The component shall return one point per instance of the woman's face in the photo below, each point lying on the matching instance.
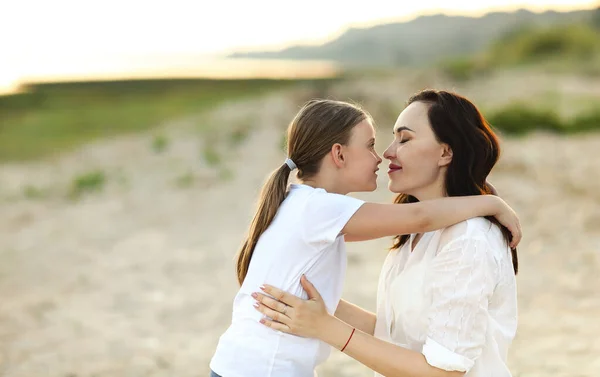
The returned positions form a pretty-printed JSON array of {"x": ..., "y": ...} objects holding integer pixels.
[{"x": 418, "y": 162}]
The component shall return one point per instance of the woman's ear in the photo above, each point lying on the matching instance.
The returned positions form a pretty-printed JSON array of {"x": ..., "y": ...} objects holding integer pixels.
[{"x": 446, "y": 156}]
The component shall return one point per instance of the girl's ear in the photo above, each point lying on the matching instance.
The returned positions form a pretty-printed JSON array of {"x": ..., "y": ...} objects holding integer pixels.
[{"x": 337, "y": 154}]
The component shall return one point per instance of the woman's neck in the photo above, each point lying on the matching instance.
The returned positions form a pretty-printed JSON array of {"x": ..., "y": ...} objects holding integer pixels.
[{"x": 429, "y": 193}]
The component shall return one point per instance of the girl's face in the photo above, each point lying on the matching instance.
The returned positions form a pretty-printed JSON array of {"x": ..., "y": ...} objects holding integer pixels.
[{"x": 362, "y": 161}]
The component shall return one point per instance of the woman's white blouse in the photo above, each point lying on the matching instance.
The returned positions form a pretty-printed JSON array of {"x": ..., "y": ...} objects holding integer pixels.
[{"x": 453, "y": 298}]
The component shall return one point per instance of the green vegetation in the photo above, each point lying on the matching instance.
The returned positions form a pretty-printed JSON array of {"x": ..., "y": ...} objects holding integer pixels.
[
  {"x": 50, "y": 118},
  {"x": 463, "y": 69},
  {"x": 159, "y": 143},
  {"x": 239, "y": 134},
  {"x": 32, "y": 192},
  {"x": 576, "y": 42},
  {"x": 587, "y": 121},
  {"x": 185, "y": 180},
  {"x": 573, "y": 47},
  {"x": 210, "y": 154},
  {"x": 519, "y": 119},
  {"x": 92, "y": 181},
  {"x": 564, "y": 48}
]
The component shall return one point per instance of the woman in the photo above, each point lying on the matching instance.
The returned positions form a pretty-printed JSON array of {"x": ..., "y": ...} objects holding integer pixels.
[
  {"x": 447, "y": 300},
  {"x": 301, "y": 232}
]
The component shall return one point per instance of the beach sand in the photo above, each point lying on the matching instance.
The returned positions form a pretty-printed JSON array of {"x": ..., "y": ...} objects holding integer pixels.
[{"x": 138, "y": 279}]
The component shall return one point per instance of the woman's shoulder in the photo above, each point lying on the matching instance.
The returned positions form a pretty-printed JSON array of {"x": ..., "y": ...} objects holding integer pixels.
[{"x": 477, "y": 228}]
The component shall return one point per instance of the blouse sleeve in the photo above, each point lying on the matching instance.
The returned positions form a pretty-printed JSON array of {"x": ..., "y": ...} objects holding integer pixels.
[{"x": 461, "y": 282}]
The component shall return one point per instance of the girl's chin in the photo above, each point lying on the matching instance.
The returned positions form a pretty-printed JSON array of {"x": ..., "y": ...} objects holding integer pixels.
[{"x": 366, "y": 188}]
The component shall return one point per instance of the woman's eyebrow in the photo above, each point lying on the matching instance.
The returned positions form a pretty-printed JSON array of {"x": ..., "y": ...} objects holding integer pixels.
[{"x": 400, "y": 129}]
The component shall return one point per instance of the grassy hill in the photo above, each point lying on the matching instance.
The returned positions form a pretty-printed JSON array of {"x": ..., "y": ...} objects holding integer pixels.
[{"x": 425, "y": 39}]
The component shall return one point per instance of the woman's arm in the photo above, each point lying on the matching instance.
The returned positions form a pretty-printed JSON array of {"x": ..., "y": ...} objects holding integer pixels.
[
  {"x": 373, "y": 220},
  {"x": 356, "y": 316},
  {"x": 383, "y": 357},
  {"x": 462, "y": 281},
  {"x": 309, "y": 318}
]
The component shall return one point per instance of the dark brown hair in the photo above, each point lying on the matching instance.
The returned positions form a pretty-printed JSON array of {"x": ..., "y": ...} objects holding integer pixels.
[
  {"x": 457, "y": 122},
  {"x": 318, "y": 126}
]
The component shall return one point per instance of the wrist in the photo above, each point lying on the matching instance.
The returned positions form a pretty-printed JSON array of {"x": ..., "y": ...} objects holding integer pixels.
[
  {"x": 324, "y": 328},
  {"x": 500, "y": 205},
  {"x": 335, "y": 332},
  {"x": 494, "y": 205}
]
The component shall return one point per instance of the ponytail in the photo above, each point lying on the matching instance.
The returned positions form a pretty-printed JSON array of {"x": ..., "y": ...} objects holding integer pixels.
[
  {"x": 272, "y": 195},
  {"x": 318, "y": 126}
]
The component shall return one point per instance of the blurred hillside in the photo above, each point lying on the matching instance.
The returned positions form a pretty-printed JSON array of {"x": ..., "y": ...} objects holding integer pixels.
[
  {"x": 426, "y": 39},
  {"x": 555, "y": 57}
]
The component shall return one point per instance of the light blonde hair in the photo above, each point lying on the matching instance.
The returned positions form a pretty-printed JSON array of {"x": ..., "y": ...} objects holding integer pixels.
[{"x": 312, "y": 133}]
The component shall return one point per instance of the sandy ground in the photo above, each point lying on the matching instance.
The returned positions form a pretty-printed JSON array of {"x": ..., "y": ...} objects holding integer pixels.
[{"x": 138, "y": 279}]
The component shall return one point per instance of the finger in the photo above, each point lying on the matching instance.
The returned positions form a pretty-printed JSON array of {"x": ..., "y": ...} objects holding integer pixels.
[
  {"x": 276, "y": 316},
  {"x": 275, "y": 325},
  {"x": 309, "y": 288},
  {"x": 280, "y": 295},
  {"x": 272, "y": 303},
  {"x": 517, "y": 235}
]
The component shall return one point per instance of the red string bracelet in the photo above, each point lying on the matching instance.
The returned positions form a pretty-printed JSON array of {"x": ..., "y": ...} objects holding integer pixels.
[{"x": 343, "y": 348}]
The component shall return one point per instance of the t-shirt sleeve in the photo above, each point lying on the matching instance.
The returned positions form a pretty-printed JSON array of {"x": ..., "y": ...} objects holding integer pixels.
[{"x": 325, "y": 215}]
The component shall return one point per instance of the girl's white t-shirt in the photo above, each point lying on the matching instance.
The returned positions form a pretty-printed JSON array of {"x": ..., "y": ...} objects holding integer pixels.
[{"x": 304, "y": 238}]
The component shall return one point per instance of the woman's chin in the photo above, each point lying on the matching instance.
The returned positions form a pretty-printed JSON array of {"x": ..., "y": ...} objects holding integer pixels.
[
  {"x": 398, "y": 189},
  {"x": 395, "y": 188}
]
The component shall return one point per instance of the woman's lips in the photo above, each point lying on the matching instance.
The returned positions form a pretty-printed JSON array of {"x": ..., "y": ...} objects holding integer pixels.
[{"x": 394, "y": 168}]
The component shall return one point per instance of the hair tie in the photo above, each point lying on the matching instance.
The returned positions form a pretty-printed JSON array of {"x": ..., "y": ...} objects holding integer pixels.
[{"x": 290, "y": 164}]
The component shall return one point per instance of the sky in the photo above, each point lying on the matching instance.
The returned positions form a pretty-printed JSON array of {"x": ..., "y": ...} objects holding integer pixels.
[{"x": 41, "y": 36}]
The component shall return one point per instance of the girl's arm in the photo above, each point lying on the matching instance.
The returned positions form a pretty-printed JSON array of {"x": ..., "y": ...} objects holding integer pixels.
[{"x": 374, "y": 220}]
